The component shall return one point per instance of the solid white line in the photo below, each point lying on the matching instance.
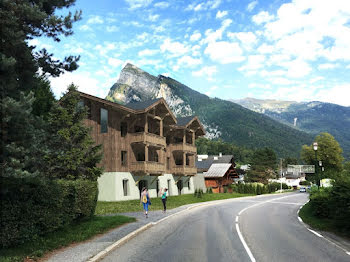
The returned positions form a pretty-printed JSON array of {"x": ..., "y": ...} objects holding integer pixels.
[
  {"x": 300, "y": 220},
  {"x": 317, "y": 234},
  {"x": 348, "y": 253},
  {"x": 236, "y": 219},
  {"x": 245, "y": 244}
]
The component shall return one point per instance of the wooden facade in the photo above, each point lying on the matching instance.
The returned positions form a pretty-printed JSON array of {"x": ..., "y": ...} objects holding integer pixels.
[
  {"x": 143, "y": 138},
  {"x": 220, "y": 181}
]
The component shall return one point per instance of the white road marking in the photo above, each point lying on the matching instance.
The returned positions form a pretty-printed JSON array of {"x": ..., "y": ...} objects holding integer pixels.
[
  {"x": 300, "y": 220},
  {"x": 239, "y": 232},
  {"x": 317, "y": 234},
  {"x": 245, "y": 244}
]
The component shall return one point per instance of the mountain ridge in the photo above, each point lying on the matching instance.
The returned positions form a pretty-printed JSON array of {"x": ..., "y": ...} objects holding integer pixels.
[{"x": 221, "y": 118}]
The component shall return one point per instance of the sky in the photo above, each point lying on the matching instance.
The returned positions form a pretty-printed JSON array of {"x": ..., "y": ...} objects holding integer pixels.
[{"x": 231, "y": 49}]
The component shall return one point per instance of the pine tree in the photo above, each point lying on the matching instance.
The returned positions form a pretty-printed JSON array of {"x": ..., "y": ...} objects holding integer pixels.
[
  {"x": 72, "y": 153},
  {"x": 21, "y": 21},
  {"x": 23, "y": 138}
]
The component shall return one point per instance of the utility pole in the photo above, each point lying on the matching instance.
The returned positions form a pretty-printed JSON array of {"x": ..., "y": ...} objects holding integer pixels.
[{"x": 281, "y": 172}]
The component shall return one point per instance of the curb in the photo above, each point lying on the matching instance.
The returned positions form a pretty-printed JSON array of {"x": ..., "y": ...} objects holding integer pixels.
[
  {"x": 309, "y": 228},
  {"x": 133, "y": 234}
]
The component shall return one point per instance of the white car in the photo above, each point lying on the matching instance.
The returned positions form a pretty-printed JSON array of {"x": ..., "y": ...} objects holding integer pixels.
[{"x": 302, "y": 189}]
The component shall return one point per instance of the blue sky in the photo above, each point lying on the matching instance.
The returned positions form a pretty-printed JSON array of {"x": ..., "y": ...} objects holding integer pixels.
[{"x": 287, "y": 50}]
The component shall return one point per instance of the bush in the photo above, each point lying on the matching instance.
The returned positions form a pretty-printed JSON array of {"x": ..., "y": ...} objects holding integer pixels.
[
  {"x": 210, "y": 190},
  {"x": 31, "y": 207},
  {"x": 340, "y": 203},
  {"x": 320, "y": 202},
  {"x": 305, "y": 183}
]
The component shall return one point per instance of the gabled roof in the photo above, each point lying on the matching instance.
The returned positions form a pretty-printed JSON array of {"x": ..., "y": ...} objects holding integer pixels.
[
  {"x": 184, "y": 121},
  {"x": 142, "y": 105},
  {"x": 206, "y": 163},
  {"x": 217, "y": 170}
]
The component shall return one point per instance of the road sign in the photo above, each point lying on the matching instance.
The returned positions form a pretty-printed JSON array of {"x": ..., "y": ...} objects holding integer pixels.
[{"x": 307, "y": 169}]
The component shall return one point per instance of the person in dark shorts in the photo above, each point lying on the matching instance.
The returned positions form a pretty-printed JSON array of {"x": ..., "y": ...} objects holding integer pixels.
[{"x": 164, "y": 198}]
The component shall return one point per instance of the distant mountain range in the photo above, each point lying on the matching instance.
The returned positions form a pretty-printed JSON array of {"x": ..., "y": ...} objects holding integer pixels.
[
  {"x": 222, "y": 119},
  {"x": 311, "y": 117}
]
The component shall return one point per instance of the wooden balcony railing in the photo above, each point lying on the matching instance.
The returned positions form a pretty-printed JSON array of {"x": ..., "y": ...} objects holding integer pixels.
[
  {"x": 147, "y": 138},
  {"x": 148, "y": 167},
  {"x": 183, "y": 147},
  {"x": 184, "y": 170}
]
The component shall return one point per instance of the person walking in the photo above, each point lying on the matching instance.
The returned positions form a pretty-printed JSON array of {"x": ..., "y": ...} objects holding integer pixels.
[
  {"x": 145, "y": 200},
  {"x": 164, "y": 198}
]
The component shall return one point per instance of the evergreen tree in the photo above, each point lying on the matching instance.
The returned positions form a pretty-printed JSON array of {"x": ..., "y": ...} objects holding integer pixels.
[
  {"x": 72, "y": 153},
  {"x": 21, "y": 21},
  {"x": 263, "y": 165},
  {"x": 23, "y": 138}
]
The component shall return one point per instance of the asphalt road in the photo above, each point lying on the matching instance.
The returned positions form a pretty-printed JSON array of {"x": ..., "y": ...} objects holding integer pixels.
[{"x": 268, "y": 225}]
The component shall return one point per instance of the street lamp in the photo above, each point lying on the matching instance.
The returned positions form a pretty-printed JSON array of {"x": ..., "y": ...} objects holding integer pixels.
[{"x": 315, "y": 149}]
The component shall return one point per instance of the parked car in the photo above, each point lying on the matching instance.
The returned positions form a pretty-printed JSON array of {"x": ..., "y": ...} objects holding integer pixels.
[{"x": 302, "y": 189}]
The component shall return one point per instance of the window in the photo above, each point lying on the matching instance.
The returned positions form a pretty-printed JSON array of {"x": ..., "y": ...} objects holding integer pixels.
[
  {"x": 123, "y": 129},
  {"x": 187, "y": 160},
  {"x": 124, "y": 158},
  {"x": 125, "y": 187},
  {"x": 168, "y": 163},
  {"x": 104, "y": 120}
]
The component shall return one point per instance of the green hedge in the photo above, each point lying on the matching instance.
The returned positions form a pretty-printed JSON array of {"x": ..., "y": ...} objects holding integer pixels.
[
  {"x": 333, "y": 203},
  {"x": 257, "y": 188},
  {"x": 31, "y": 207}
]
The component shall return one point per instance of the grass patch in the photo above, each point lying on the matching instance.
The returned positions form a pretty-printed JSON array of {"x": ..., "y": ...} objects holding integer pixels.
[
  {"x": 309, "y": 218},
  {"x": 104, "y": 208},
  {"x": 70, "y": 234}
]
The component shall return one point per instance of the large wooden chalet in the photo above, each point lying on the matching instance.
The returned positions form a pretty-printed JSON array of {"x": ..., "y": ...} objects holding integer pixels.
[{"x": 143, "y": 145}]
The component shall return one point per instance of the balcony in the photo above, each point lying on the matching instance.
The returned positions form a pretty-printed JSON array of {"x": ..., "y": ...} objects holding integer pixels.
[
  {"x": 183, "y": 147},
  {"x": 148, "y": 138},
  {"x": 149, "y": 167},
  {"x": 184, "y": 170}
]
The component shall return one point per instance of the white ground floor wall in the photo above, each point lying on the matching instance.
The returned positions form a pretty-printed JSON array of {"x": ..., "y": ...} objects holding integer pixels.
[{"x": 118, "y": 186}]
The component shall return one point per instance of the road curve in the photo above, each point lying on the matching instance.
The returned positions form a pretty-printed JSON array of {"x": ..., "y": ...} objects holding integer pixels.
[{"x": 268, "y": 225}]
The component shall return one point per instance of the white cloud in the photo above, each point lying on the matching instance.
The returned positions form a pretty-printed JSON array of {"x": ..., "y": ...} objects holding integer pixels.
[
  {"x": 153, "y": 18},
  {"x": 262, "y": 17},
  {"x": 211, "y": 89},
  {"x": 327, "y": 66},
  {"x": 188, "y": 61},
  {"x": 95, "y": 20},
  {"x": 297, "y": 68},
  {"x": 212, "y": 36},
  {"x": 207, "y": 5},
  {"x": 265, "y": 49},
  {"x": 138, "y": 3},
  {"x": 85, "y": 28},
  {"x": 221, "y": 14},
  {"x": 248, "y": 39},
  {"x": 86, "y": 83},
  {"x": 175, "y": 48},
  {"x": 254, "y": 62},
  {"x": 111, "y": 29},
  {"x": 162, "y": 5},
  {"x": 251, "y": 6},
  {"x": 148, "y": 52},
  {"x": 196, "y": 50},
  {"x": 207, "y": 71},
  {"x": 340, "y": 94},
  {"x": 195, "y": 36},
  {"x": 224, "y": 52},
  {"x": 106, "y": 48},
  {"x": 115, "y": 62}
]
